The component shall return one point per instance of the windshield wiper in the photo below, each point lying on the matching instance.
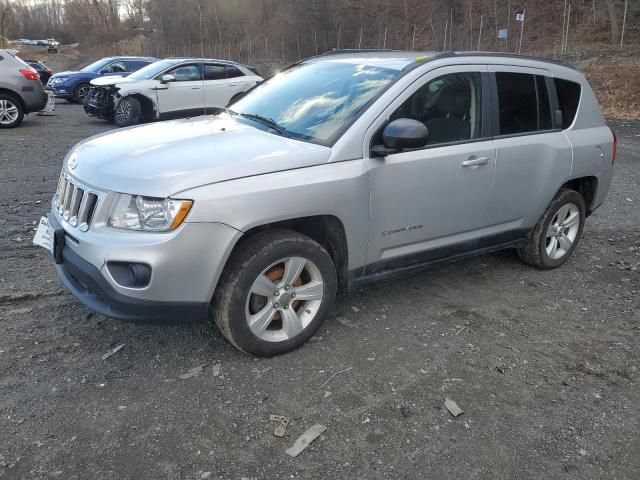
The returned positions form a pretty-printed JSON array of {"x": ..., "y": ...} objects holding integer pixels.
[{"x": 269, "y": 122}]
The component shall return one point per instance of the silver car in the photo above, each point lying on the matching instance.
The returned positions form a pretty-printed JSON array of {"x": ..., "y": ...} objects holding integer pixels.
[
  {"x": 21, "y": 91},
  {"x": 343, "y": 168}
]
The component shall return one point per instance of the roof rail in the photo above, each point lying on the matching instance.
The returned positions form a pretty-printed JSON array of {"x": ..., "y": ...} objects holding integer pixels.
[
  {"x": 337, "y": 51},
  {"x": 416, "y": 64}
]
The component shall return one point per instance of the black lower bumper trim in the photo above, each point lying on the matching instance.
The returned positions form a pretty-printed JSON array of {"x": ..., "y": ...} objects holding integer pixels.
[{"x": 87, "y": 283}]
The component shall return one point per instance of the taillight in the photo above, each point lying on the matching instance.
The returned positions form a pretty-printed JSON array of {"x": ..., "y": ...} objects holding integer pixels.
[
  {"x": 48, "y": 72},
  {"x": 29, "y": 74},
  {"x": 615, "y": 146}
]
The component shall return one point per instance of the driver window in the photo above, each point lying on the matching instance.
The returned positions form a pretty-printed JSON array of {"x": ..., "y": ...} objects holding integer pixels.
[
  {"x": 116, "y": 67},
  {"x": 187, "y": 73},
  {"x": 449, "y": 106}
]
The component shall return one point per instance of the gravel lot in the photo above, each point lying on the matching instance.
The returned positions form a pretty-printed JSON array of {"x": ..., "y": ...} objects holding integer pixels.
[{"x": 544, "y": 364}]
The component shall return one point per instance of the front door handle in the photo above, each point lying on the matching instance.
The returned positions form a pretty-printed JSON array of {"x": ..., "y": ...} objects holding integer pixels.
[
  {"x": 475, "y": 161},
  {"x": 195, "y": 88}
]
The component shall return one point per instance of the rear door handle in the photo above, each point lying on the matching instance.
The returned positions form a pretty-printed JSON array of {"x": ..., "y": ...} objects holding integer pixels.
[
  {"x": 234, "y": 85},
  {"x": 475, "y": 161},
  {"x": 195, "y": 88}
]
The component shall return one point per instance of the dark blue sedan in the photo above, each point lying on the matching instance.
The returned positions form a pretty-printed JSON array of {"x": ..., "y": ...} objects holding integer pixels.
[{"x": 74, "y": 86}]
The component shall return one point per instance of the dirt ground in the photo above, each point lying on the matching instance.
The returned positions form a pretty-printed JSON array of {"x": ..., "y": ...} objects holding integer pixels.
[{"x": 544, "y": 364}]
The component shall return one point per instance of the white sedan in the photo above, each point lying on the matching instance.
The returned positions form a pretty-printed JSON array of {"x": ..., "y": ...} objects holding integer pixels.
[{"x": 171, "y": 88}]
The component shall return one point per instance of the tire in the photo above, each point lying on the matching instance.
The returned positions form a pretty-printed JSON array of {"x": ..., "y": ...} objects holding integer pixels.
[
  {"x": 81, "y": 92},
  {"x": 11, "y": 111},
  {"x": 555, "y": 236},
  {"x": 281, "y": 323},
  {"x": 127, "y": 112}
]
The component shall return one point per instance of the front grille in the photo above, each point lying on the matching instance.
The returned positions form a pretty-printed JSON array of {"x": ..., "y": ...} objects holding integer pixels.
[
  {"x": 75, "y": 202},
  {"x": 99, "y": 103}
]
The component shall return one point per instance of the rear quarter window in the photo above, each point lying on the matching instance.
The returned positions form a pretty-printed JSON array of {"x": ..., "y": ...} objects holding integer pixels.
[{"x": 568, "y": 98}]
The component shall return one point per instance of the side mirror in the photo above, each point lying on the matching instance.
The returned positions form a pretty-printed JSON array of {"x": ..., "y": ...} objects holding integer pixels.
[
  {"x": 400, "y": 134},
  {"x": 166, "y": 78}
]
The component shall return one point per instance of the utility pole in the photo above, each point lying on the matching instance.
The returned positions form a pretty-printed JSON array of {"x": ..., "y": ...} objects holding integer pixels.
[
  {"x": 413, "y": 39},
  {"x": 566, "y": 35},
  {"x": 624, "y": 21}
]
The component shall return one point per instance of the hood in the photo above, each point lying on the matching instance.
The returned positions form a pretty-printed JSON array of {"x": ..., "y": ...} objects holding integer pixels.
[
  {"x": 111, "y": 80},
  {"x": 161, "y": 159},
  {"x": 72, "y": 73}
]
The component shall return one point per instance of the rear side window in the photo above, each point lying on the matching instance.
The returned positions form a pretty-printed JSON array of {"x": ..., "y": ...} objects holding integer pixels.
[
  {"x": 133, "y": 66},
  {"x": 523, "y": 103},
  {"x": 233, "y": 72},
  {"x": 214, "y": 72},
  {"x": 568, "y": 99}
]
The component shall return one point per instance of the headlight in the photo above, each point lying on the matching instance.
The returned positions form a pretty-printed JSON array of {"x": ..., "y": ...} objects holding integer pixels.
[{"x": 135, "y": 212}]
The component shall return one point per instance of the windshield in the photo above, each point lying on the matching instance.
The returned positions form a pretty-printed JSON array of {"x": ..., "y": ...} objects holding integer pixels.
[
  {"x": 96, "y": 66},
  {"x": 152, "y": 70},
  {"x": 316, "y": 101}
]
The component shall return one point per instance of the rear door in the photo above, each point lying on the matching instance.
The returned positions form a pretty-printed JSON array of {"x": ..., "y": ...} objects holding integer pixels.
[
  {"x": 533, "y": 155},
  {"x": 184, "y": 95},
  {"x": 216, "y": 90}
]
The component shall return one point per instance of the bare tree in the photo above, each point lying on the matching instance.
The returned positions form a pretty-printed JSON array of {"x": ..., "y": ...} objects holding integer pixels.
[
  {"x": 613, "y": 20},
  {"x": 5, "y": 13}
]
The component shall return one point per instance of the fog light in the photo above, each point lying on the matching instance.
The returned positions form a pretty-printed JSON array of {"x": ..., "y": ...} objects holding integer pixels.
[{"x": 129, "y": 274}]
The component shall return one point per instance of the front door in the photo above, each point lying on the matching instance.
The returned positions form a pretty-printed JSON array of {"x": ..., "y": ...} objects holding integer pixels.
[
  {"x": 433, "y": 202},
  {"x": 185, "y": 94}
]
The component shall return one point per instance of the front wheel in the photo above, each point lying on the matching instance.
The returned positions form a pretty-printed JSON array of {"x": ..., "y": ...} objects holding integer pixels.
[
  {"x": 128, "y": 112},
  {"x": 557, "y": 233},
  {"x": 275, "y": 292},
  {"x": 81, "y": 92}
]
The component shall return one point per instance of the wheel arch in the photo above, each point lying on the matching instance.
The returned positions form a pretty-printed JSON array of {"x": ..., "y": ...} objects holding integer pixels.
[
  {"x": 327, "y": 230},
  {"x": 147, "y": 104},
  {"x": 16, "y": 96},
  {"x": 586, "y": 186}
]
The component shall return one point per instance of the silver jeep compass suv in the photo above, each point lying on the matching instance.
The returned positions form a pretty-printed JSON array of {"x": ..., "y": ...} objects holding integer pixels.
[{"x": 343, "y": 168}]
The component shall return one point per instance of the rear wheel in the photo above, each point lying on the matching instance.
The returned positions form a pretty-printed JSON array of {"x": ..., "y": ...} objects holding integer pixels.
[
  {"x": 80, "y": 93},
  {"x": 11, "y": 112},
  {"x": 128, "y": 112},
  {"x": 557, "y": 233},
  {"x": 275, "y": 293}
]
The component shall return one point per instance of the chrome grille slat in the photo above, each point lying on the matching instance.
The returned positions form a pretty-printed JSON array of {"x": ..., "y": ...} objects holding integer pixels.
[{"x": 75, "y": 202}]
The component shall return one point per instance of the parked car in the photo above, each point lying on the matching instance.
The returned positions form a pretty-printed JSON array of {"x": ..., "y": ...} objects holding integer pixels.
[
  {"x": 343, "y": 168},
  {"x": 20, "y": 90},
  {"x": 74, "y": 86},
  {"x": 44, "y": 72},
  {"x": 172, "y": 88}
]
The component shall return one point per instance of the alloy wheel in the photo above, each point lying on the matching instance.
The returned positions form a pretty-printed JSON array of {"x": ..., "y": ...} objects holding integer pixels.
[
  {"x": 562, "y": 231},
  {"x": 83, "y": 92},
  {"x": 123, "y": 112},
  {"x": 284, "y": 299},
  {"x": 8, "y": 112}
]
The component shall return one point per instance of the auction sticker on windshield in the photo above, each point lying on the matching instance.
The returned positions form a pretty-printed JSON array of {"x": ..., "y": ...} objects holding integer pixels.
[{"x": 45, "y": 234}]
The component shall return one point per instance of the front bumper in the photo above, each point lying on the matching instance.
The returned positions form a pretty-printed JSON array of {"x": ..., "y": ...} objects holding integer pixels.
[
  {"x": 185, "y": 266},
  {"x": 89, "y": 286},
  {"x": 61, "y": 90},
  {"x": 99, "y": 104}
]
